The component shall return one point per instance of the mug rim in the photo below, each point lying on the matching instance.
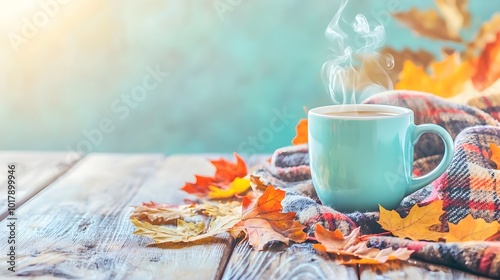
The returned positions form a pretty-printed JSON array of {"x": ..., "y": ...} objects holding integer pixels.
[{"x": 322, "y": 110}]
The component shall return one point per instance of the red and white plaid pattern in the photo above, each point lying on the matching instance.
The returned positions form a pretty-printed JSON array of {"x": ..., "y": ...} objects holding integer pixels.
[{"x": 469, "y": 186}]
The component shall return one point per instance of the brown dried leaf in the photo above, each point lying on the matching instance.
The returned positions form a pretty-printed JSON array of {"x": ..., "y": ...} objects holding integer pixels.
[
  {"x": 351, "y": 246},
  {"x": 427, "y": 23},
  {"x": 185, "y": 232},
  {"x": 160, "y": 214},
  {"x": 381, "y": 256},
  {"x": 455, "y": 14},
  {"x": 421, "y": 58},
  {"x": 232, "y": 208}
]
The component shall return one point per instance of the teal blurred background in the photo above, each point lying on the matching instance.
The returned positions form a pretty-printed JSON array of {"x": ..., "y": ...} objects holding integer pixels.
[{"x": 239, "y": 72}]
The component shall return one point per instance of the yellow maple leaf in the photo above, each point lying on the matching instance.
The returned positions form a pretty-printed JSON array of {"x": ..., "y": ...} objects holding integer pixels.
[
  {"x": 495, "y": 154},
  {"x": 420, "y": 57},
  {"x": 418, "y": 82},
  {"x": 416, "y": 225},
  {"x": 446, "y": 79},
  {"x": 470, "y": 229},
  {"x": 238, "y": 186}
]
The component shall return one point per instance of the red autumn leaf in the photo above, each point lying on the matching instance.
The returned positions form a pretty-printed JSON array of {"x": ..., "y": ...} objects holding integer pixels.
[
  {"x": 488, "y": 65},
  {"x": 225, "y": 173},
  {"x": 301, "y": 130},
  {"x": 484, "y": 35},
  {"x": 199, "y": 187},
  {"x": 263, "y": 221}
]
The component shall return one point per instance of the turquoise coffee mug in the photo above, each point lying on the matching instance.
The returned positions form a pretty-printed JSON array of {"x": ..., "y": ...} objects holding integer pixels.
[{"x": 362, "y": 155}]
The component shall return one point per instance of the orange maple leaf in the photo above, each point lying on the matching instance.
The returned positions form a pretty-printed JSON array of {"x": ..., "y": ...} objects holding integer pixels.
[
  {"x": 301, "y": 133},
  {"x": 470, "y": 229},
  {"x": 488, "y": 65},
  {"x": 446, "y": 79},
  {"x": 263, "y": 221},
  {"x": 257, "y": 183},
  {"x": 356, "y": 250},
  {"x": 416, "y": 225},
  {"x": 495, "y": 154},
  {"x": 225, "y": 173},
  {"x": 486, "y": 33}
]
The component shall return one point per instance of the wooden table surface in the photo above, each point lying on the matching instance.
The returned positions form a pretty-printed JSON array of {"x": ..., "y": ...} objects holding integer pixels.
[{"x": 72, "y": 222}]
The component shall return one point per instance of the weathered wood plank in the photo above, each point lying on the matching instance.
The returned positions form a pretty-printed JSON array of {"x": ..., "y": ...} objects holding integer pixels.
[
  {"x": 413, "y": 269},
  {"x": 79, "y": 228},
  {"x": 299, "y": 261},
  {"x": 34, "y": 171}
]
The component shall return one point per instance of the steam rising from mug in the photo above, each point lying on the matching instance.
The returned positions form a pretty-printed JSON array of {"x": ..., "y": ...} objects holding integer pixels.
[{"x": 355, "y": 70}]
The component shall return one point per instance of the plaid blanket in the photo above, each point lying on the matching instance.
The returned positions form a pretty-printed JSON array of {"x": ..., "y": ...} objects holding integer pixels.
[{"x": 469, "y": 186}]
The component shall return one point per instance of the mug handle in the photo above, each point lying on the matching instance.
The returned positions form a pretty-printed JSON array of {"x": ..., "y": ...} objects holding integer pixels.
[{"x": 422, "y": 181}]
